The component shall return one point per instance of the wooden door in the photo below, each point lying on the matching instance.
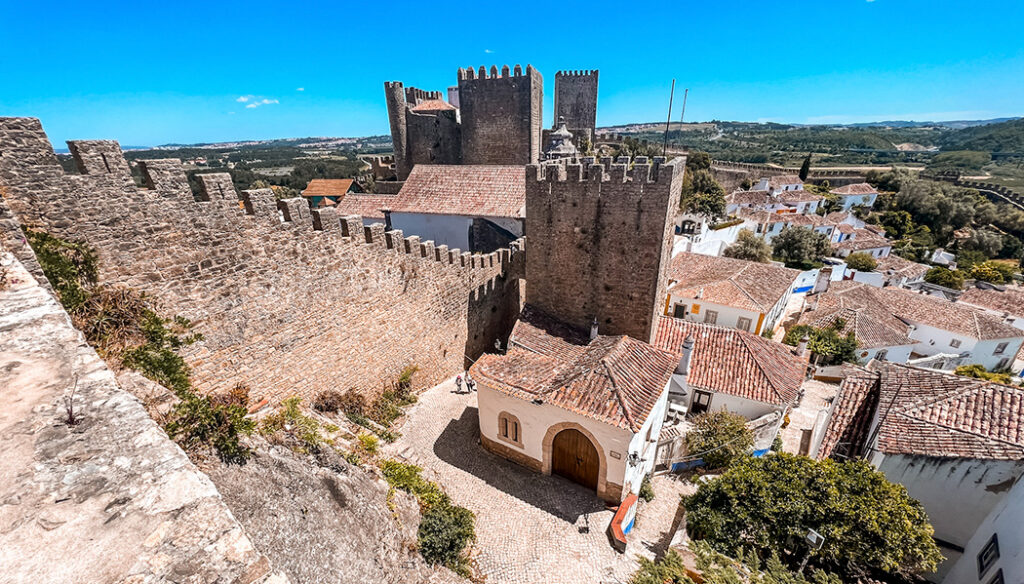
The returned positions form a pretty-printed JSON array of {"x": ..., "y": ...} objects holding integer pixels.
[{"x": 574, "y": 457}]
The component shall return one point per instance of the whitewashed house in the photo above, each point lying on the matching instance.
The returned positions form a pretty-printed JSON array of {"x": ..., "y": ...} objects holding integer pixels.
[
  {"x": 864, "y": 241},
  {"x": 695, "y": 233},
  {"x": 956, "y": 444},
  {"x": 892, "y": 270},
  {"x": 856, "y": 195},
  {"x": 727, "y": 292},
  {"x": 588, "y": 408}
]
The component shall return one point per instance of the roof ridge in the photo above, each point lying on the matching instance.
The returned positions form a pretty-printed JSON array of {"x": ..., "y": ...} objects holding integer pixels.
[
  {"x": 745, "y": 293},
  {"x": 962, "y": 431},
  {"x": 626, "y": 412},
  {"x": 761, "y": 368}
]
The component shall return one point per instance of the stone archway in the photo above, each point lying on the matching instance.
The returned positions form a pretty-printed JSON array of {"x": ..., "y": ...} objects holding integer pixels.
[{"x": 602, "y": 469}]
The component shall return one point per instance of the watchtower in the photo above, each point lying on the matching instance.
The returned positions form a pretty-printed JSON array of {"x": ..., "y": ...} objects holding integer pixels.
[
  {"x": 501, "y": 115},
  {"x": 600, "y": 241},
  {"x": 576, "y": 102}
]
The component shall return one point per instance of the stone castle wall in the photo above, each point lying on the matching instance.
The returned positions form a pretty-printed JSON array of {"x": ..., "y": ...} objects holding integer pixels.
[
  {"x": 614, "y": 240},
  {"x": 501, "y": 115},
  {"x": 289, "y": 300},
  {"x": 433, "y": 138},
  {"x": 576, "y": 102}
]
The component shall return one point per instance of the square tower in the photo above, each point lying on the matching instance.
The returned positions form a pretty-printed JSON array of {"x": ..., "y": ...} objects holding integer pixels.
[
  {"x": 576, "y": 102},
  {"x": 501, "y": 115},
  {"x": 600, "y": 240}
]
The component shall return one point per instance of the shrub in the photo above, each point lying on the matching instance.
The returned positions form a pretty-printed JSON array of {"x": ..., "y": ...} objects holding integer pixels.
[
  {"x": 443, "y": 534},
  {"x": 197, "y": 424},
  {"x": 829, "y": 346},
  {"x": 719, "y": 438},
  {"x": 862, "y": 262},
  {"x": 368, "y": 443},
  {"x": 646, "y": 489},
  {"x": 236, "y": 396},
  {"x": 405, "y": 378},
  {"x": 978, "y": 371},
  {"x": 288, "y": 425},
  {"x": 941, "y": 276},
  {"x": 328, "y": 401},
  {"x": 70, "y": 267}
]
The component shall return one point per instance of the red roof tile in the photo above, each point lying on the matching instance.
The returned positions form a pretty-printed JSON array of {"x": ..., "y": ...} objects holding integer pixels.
[
  {"x": 368, "y": 205},
  {"x": 327, "y": 187},
  {"x": 855, "y": 189},
  {"x": 847, "y": 431},
  {"x": 735, "y": 362},
  {"x": 730, "y": 282},
  {"x": 1009, "y": 301},
  {"x": 433, "y": 105},
  {"x": 478, "y": 191}
]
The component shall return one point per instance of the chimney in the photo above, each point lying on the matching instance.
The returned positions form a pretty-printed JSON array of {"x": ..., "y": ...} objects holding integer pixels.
[
  {"x": 593, "y": 329},
  {"x": 801, "y": 348},
  {"x": 683, "y": 368}
]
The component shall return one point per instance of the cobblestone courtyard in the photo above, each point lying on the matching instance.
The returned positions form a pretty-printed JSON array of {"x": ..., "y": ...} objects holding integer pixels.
[{"x": 530, "y": 527}]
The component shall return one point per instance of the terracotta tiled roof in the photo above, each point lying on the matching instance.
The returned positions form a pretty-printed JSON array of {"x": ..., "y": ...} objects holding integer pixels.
[
  {"x": 433, "y": 105},
  {"x": 837, "y": 217},
  {"x": 847, "y": 431},
  {"x": 327, "y": 187},
  {"x": 797, "y": 196},
  {"x": 863, "y": 239},
  {"x": 901, "y": 267},
  {"x": 781, "y": 180},
  {"x": 1009, "y": 301},
  {"x": 735, "y": 362},
  {"x": 945, "y": 415},
  {"x": 613, "y": 379},
  {"x": 810, "y": 220},
  {"x": 730, "y": 282},
  {"x": 865, "y": 316},
  {"x": 855, "y": 189},
  {"x": 479, "y": 191},
  {"x": 368, "y": 205}
]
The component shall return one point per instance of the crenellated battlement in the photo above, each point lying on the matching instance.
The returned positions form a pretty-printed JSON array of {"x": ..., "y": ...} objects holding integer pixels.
[
  {"x": 607, "y": 170},
  {"x": 289, "y": 299},
  {"x": 577, "y": 73},
  {"x": 470, "y": 74},
  {"x": 415, "y": 96}
]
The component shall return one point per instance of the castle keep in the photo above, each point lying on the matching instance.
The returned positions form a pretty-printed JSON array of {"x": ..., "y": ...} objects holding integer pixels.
[
  {"x": 576, "y": 102},
  {"x": 289, "y": 300}
]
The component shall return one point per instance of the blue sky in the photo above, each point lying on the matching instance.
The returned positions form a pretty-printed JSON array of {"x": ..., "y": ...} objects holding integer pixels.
[{"x": 150, "y": 73}]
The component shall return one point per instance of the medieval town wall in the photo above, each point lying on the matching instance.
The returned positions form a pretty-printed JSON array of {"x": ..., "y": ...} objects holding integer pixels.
[
  {"x": 289, "y": 300},
  {"x": 576, "y": 102},
  {"x": 501, "y": 115},
  {"x": 607, "y": 233}
]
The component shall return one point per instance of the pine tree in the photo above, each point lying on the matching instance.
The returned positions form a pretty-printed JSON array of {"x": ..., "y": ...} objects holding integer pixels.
[{"x": 805, "y": 168}]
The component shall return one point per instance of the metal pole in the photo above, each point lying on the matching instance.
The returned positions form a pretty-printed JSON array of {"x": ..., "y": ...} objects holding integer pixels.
[
  {"x": 664, "y": 147},
  {"x": 686, "y": 93}
]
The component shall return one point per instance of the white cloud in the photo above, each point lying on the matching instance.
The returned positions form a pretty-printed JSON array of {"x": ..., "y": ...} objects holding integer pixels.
[
  {"x": 488, "y": 51},
  {"x": 244, "y": 98},
  {"x": 260, "y": 102},
  {"x": 300, "y": 89}
]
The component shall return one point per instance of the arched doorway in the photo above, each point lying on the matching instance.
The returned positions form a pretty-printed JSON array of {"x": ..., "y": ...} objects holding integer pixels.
[{"x": 575, "y": 457}]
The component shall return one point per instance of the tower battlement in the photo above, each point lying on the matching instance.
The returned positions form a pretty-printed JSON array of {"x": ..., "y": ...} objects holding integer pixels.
[{"x": 517, "y": 71}]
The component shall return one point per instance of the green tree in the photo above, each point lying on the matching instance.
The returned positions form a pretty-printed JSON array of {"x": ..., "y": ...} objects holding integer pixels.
[
  {"x": 698, "y": 160},
  {"x": 805, "y": 168},
  {"x": 749, "y": 247},
  {"x": 767, "y": 504},
  {"x": 827, "y": 343},
  {"x": 703, "y": 195},
  {"x": 898, "y": 224},
  {"x": 978, "y": 371},
  {"x": 984, "y": 241},
  {"x": 718, "y": 568},
  {"x": 719, "y": 438},
  {"x": 862, "y": 262},
  {"x": 994, "y": 272},
  {"x": 800, "y": 247},
  {"x": 942, "y": 276}
]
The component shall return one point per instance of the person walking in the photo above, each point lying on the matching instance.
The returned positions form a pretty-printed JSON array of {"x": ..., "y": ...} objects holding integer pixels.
[{"x": 458, "y": 384}]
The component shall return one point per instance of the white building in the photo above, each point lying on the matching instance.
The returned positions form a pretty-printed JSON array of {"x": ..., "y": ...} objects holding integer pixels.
[
  {"x": 879, "y": 333},
  {"x": 961, "y": 334},
  {"x": 588, "y": 409},
  {"x": 892, "y": 270},
  {"x": 856, "y": 195},
  {"x": 773, "y": 200},
  {"x": 955, "y": 444},
  {"x": 727, "y": 292},
  {"x": 866, "y": 241},
  {"x": 472, "y": 208},
  {"x": 698, "y": 235}
]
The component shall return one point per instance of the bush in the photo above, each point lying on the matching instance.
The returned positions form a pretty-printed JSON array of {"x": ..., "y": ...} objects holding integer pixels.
[
  {"x": 70, "y": 267},
  {"x": 288, "y": 425},
  {"x": 862, "y": 262},
  {"x": 945, "y": 277},
  {"x": 368, "y": 443},
  {"x": 405, "y": 378},
  {"x": 646, "y": 489},
  {"x": 719, "y": 438},
  {"x": 978, "y": 371},
  {"x": 716, "y": 568},
  {"x": 197, "y": 423},
  {"x": 827, "y": 343},
  {"x": 236, "y": 396}
]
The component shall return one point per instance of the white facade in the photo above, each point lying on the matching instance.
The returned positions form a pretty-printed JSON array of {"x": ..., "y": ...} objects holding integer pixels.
[
  {"x": 1003, "y": 524},
  {"x": 933, "y": 341},
  {"x": 892, "y": 353},
  {"x": 614, "y": 444},
  {"x": 697, "y": 236},
  {"x": 696, "y": 310},
  {"x": 450, "y": 230},
  {"x": 957, "y": 493},
  {"x": 881, "y": 251},
  {"x": 850, "y": 201}
]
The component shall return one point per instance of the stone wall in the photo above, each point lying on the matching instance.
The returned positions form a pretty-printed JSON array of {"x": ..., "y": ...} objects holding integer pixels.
[
  {"x": 603, "y": 241},
  {"x": 501, "y": 115},
  {"x": 110, "y": 498},
  {"x": 576, "y": 102},
  {"x": 433, "y": 138},
  {"x": 289, "y": 300}
]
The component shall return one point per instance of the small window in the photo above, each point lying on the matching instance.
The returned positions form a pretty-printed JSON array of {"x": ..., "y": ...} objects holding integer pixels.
[
  {"x": 988, "y": 556},
  {"x": 1003, "y": 364},
  {"x": 701, "y": 403},
  {"x": 711, "y": 316},
  {"x": 882, "y": 354},
  {"x": 743, "y": 323},
  {"x": 955, "y": 343},
  {"x": 1001, "y": 348},
  {"x": 679, "y": 311},
  {"x": 509, "y": 429},
  {"x": 998, "y": 578}
]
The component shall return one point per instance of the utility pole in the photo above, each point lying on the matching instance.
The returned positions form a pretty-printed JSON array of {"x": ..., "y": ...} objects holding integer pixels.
[
  {"x": 664, "y": 146},
  {"x": 686, "y": 93}
]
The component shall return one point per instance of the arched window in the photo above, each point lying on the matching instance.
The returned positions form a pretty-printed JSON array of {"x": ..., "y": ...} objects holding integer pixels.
[{"x": 509, "y": 429}]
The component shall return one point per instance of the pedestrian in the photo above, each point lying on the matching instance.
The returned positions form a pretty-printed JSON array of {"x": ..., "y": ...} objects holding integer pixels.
[
  {"x": 470, "y": 384},
  {"x": 458, "y": 384}
]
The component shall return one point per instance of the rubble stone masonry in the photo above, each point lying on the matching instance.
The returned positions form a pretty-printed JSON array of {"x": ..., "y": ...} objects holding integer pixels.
[{"x": 289, "y": 300}]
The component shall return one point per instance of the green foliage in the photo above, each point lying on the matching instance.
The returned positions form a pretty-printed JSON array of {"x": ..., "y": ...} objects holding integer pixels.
[
  {"x": 767, "y": 504},
  {"x": 646, "y": 489},
  {"x": 749, "y": 247},
  {"x": 719, "y": 438},
  {"x": 987, "y": 272},
  {"x": 862, "y": 262},
  {"x": 70, "y": 267},
  {"x": 632, "y": 147},
  {"x": 800, "y": 247},
  {"x": 289, "y": 426},
  {"x": 827, "y": 343},
  {"x": 717, "y": 568},
  {"x": 197, "y": 423},
  {"x": 405, "y": 377},
  {"x": 1001, "y": 137},
  {"x": 978, "y": 371},
  {"x": 445, "y": 529},
  {"x": 960, "y": 160},
  {"x": 368, "y": 443},
  {"x": 702, "y": 195},
  {"x": 985, "y": 241},
  {"x": 942, "y": 276},
  {"x": 805, "y": 168}
]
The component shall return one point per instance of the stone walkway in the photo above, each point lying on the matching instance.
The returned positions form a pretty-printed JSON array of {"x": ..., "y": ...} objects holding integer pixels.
[
  {"x": 530, "y": 527},
  {"x": 816, "y": 396}
]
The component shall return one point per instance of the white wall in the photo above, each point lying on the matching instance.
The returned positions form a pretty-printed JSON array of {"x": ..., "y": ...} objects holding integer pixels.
[
  {"x": 932, "y": 341},
  {"x": 728, "y": 316},
  {"x": 957, "y": 493},
  {"x": 877, "y": 252},
  {"x": 1004, "y": 521},
  {"x": 535, "y": 420},
  {"x": 850, "y": 201},
  {"x": 894, "y": 354},
  {"x": 747, "y": 408},
  {"x": 450, "y": 230}
]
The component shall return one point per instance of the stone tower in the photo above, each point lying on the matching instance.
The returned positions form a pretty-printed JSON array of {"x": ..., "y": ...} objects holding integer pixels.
[
  {"x": 424, "y": 128},
  {"x": 394, "y": 93},
  {"x": 600, "y": 240},
  {"x": 501, "y": 115},
  {"x": 576, "y": 101}
]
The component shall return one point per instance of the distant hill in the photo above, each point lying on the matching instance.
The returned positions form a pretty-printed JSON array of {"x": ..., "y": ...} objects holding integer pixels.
[
  {"x": 1005, "y": 136},
  {"x": 953, "y": 124}
]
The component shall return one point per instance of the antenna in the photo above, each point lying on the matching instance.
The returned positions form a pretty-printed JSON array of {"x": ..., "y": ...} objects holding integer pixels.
[{"x": 664, "y": 147}]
